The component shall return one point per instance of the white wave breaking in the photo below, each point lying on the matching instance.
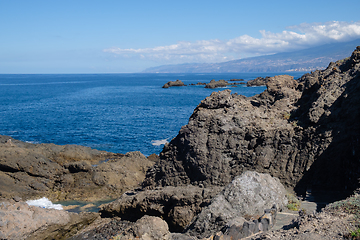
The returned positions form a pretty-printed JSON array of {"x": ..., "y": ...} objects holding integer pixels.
[
  {"x": 44, "y": 203},
  {"x": 159, "y": 142}
]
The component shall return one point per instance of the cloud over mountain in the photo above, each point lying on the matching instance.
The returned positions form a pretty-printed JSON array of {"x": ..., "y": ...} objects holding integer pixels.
[{"x": 296, "y": 37}]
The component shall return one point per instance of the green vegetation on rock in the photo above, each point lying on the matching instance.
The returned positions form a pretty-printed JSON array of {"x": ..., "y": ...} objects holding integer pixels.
[{"x": 293, "y": 202}]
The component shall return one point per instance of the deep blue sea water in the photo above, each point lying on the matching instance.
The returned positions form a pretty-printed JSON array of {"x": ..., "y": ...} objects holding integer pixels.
[{"x": 112, "y": 112}]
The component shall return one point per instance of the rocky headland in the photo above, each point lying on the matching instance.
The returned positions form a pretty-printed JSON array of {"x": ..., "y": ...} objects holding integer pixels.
[
  {"x": 224, "y": 176},
  {"x": 305, "y": 132}
]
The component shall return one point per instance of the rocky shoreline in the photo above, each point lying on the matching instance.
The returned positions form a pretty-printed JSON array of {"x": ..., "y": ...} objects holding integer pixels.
[
  {"x": 67, "y": 172},
  {"x": 224, "y": 176}
]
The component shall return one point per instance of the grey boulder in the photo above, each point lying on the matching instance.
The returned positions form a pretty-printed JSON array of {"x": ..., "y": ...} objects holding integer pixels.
[{"x": 248, "y": 195}]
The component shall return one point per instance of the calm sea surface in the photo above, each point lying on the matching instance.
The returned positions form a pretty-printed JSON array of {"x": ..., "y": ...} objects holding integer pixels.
[{"x": 112, "y": 112}]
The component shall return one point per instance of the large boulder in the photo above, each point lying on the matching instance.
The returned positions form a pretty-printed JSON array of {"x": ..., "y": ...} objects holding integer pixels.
[
  {"x": 304, "y": 132},
  {"x": 247, "y": 196},
  {"x": 146, "y": 228}
]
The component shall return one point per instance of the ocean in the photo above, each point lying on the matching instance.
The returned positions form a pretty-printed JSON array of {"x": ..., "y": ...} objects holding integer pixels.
[{"x": 112, "y": 112}]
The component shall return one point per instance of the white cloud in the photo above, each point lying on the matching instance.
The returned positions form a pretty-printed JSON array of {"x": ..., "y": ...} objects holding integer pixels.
[{"x": 297, "y": 37}]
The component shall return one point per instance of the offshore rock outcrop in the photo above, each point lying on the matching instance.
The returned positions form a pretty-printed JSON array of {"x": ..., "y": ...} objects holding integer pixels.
[
  {"x": 222, "y": 83},
  {"x": 217, "y": 84},
  {"x": 304, "y": 132},
  {"x": 66, "y": 172},
  {"x": 177, "y": 83}
]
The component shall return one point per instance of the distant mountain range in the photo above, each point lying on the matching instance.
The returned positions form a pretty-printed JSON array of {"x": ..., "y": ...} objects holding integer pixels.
[{"x": 303, "y": 60}]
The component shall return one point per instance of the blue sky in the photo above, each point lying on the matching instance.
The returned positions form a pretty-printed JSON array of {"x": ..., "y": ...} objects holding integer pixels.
[{"x": 129, "y": 36}]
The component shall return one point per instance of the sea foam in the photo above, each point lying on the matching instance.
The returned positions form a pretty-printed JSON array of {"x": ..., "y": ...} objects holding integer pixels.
[
  {"x": 159, "y": 142},
  {"x": 44, "y": 203}
]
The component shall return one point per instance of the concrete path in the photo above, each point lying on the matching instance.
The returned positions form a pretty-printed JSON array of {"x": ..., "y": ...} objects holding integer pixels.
[{"x": 309, "y": 204}]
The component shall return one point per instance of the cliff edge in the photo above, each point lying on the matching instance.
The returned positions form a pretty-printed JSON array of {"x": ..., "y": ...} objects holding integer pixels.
[{"x": 305, "y": 132}]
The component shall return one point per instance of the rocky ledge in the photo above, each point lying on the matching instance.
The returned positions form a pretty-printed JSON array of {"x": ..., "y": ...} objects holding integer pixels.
[{"x": 66, "y": 172}]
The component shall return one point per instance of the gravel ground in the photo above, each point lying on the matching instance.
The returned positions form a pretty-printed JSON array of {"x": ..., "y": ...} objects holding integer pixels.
[
  {"x": 323, "y": 225},
  {"x": 338, "y": 220}
]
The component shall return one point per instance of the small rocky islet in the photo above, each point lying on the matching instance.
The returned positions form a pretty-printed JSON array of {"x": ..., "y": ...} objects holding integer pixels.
[
  {"x": 229, "y": 173},
  {"x": 212, "y": 84}
]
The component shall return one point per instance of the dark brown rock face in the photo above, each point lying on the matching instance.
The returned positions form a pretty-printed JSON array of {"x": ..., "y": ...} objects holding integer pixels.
[
  {"x": 228, "y": 134},
  {"x": 304, "y": 132}
]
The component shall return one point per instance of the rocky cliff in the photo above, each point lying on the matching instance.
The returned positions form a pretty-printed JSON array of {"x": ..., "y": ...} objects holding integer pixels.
[{"x": 305, "y": 132}]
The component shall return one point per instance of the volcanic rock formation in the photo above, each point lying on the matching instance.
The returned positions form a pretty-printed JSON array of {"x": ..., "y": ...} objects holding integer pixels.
[
  {"x": 304, "y": 132},
  {"x": 66, "y": 172}
]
